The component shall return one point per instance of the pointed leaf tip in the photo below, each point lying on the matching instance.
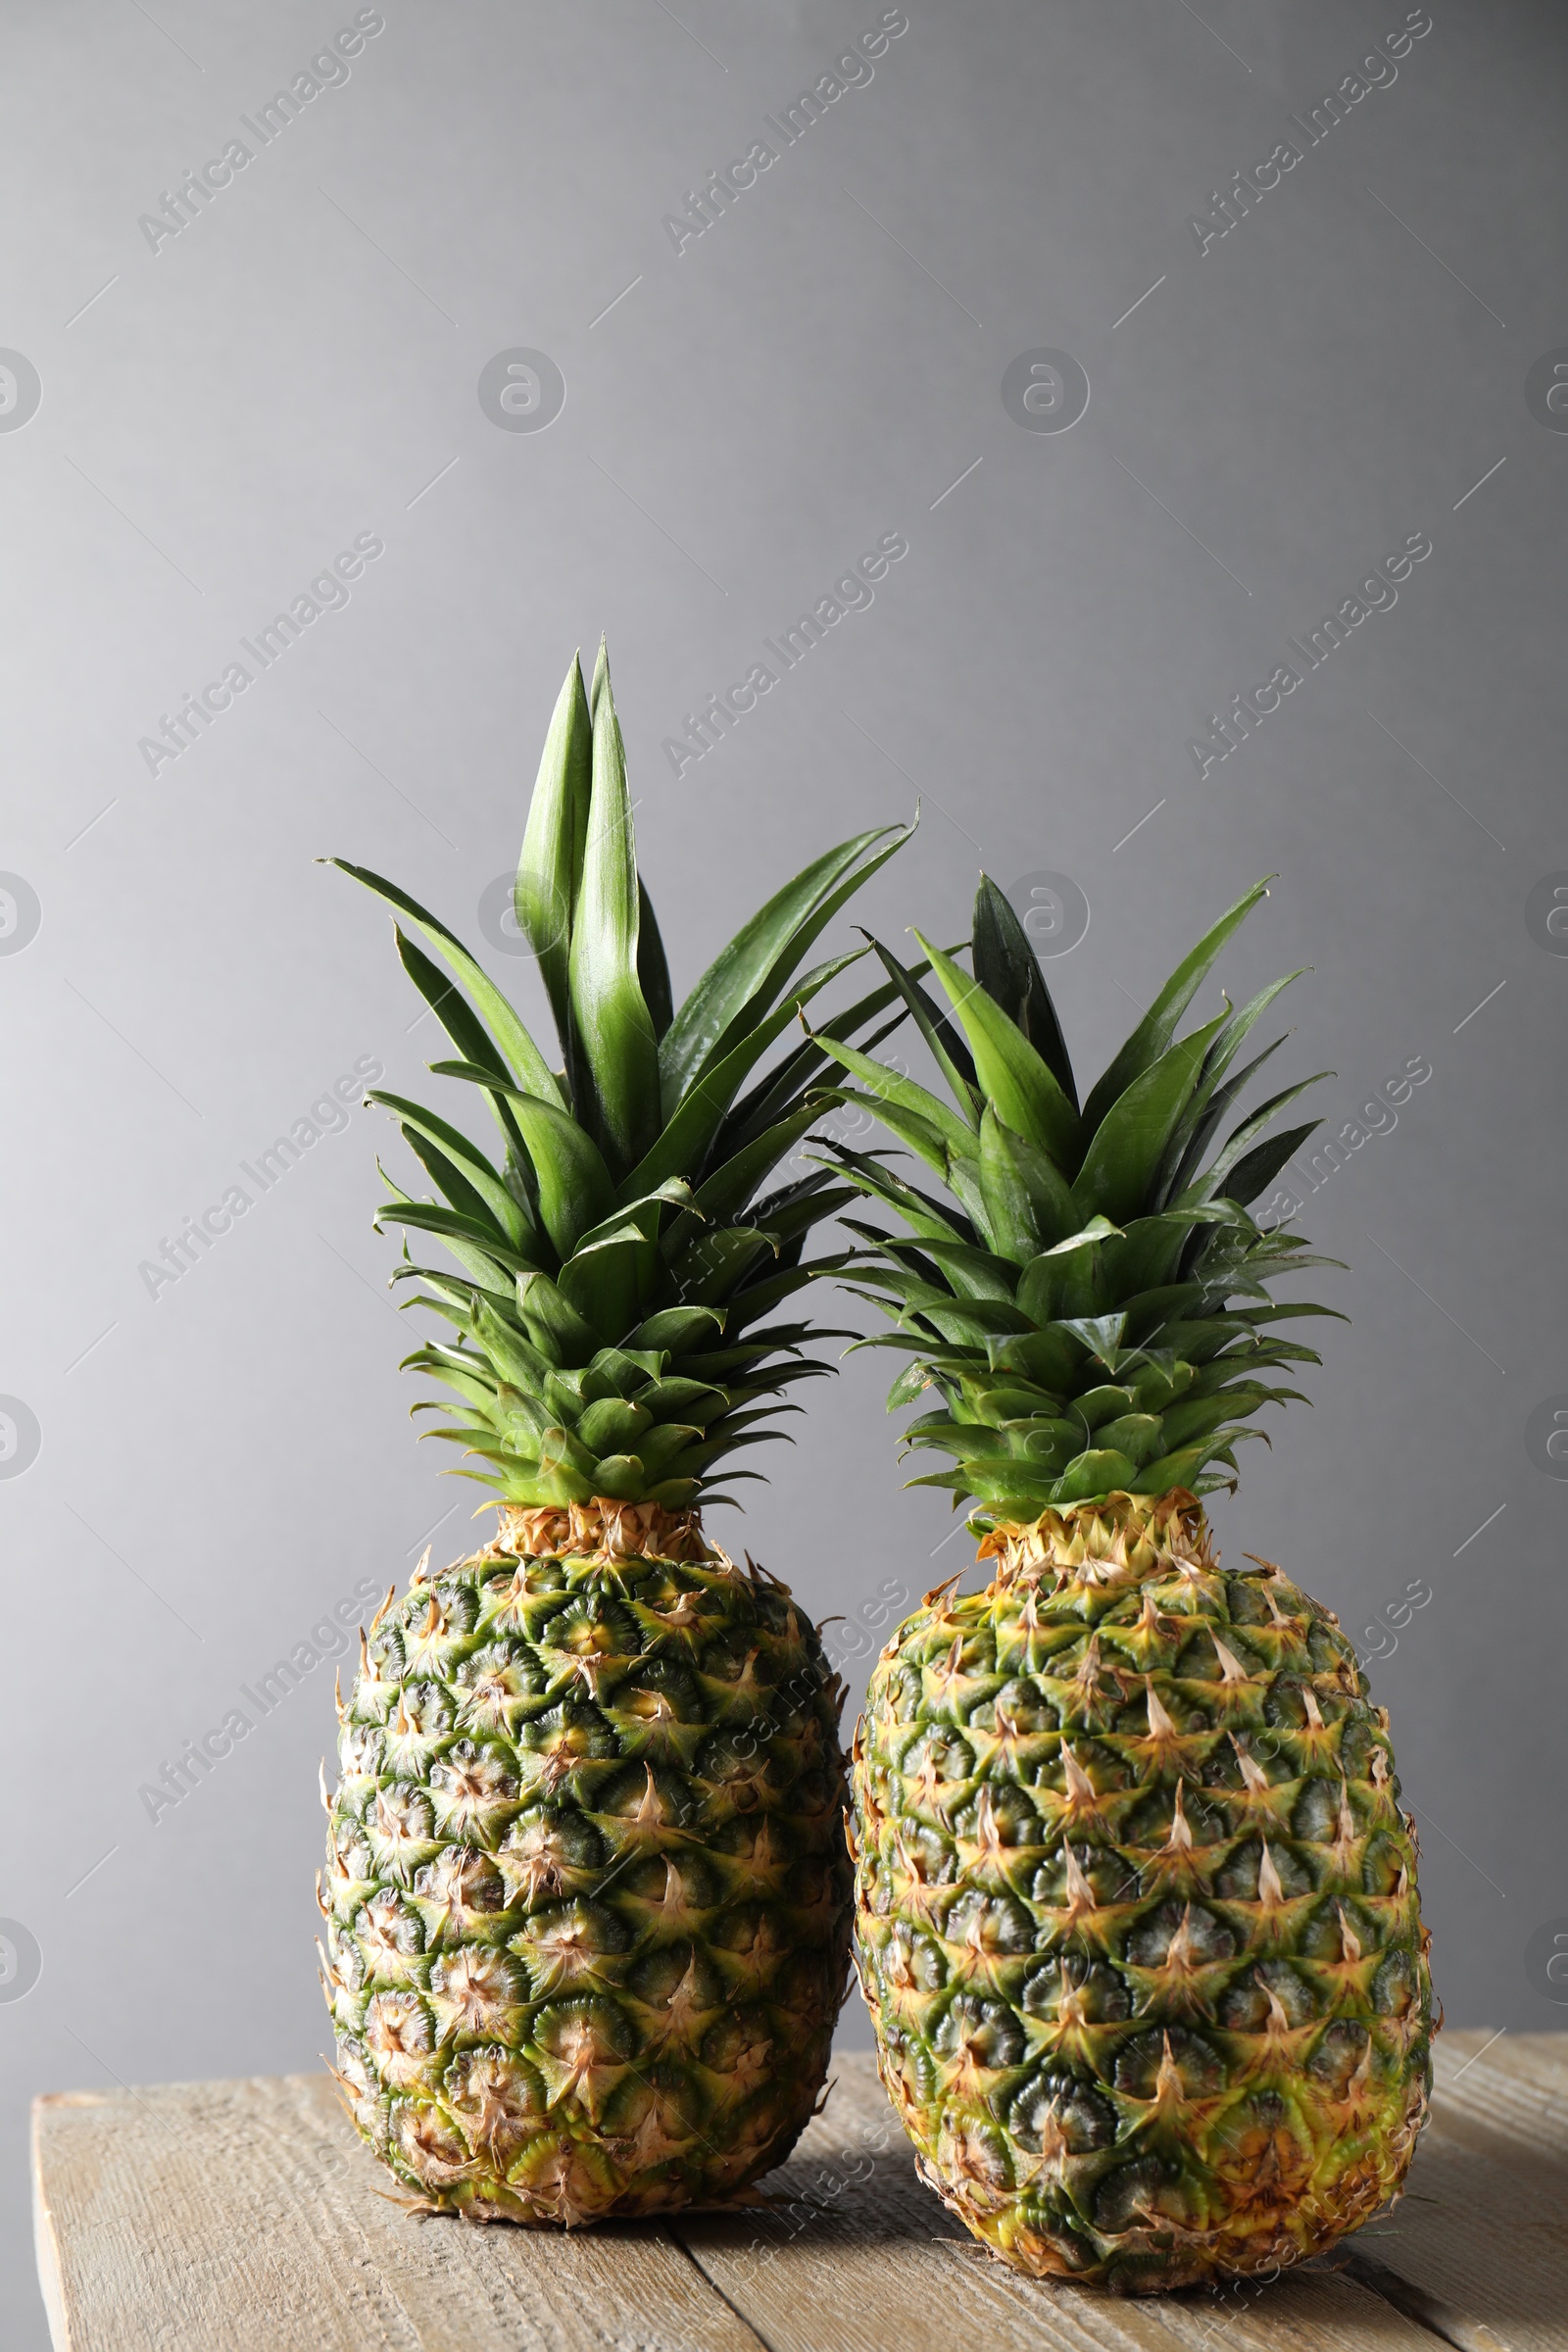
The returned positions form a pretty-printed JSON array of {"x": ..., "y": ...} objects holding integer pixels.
[
  {"x": 611, "y": 1010},
  {"x": 550, "y": 867},
  {"x": 1015, "y": 1077},
  {"x": 1007, "y": 969}
]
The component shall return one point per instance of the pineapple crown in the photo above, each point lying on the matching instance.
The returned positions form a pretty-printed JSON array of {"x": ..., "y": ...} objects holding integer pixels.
[
  {"x": 1092, "y": 1303},
  {"x": 619, "y": 1271}
]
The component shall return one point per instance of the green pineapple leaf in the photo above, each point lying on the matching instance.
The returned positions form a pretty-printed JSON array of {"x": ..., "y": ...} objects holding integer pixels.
[
  {"x": 733, "y": 1182},
  {"x": 892, "y": 1093},
  {"x": 873, "y": 1179},
  {"x": 743, "y": 981},
  {"x": 1128, "y": 1145},
  {"x": 475, "y": 1242},
  {"x": 550, "y": 870},
  {"x": 1258, "y": 1171},
  {"x": 1153, "y": 1032},
  {"x": 1023, "y": 1088},
  {"x": 575, "y": 1190},
  {"x": 475, "y": 1044},
  {"x": 781, "y": 1087},
  {"x": 701, "y": 1115},
  {"x": 1196, "y": 1128},
  {"x": 1238, "y": 1143},
  {"x": 618, "y": 1045},
  {"x": 516, "y": 1051},
  {"x": 1026, "y": 1201},
  {"x": 1008, "y": 970},
  {"x": 558, "y": 1330},
  {"x": 947, "y": 1048},
  {"x": 653, "y": 971},
  {"x": 469, "y": 1164}
]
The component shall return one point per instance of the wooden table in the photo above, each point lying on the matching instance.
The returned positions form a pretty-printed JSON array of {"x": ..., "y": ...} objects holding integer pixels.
[{"x": 245, "y": 2217}]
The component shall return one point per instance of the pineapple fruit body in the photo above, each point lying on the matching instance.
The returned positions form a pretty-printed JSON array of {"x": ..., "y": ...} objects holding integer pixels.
[
  {"x": 1135, "y": 1907},
  {"x": 587, "y": 1901}
]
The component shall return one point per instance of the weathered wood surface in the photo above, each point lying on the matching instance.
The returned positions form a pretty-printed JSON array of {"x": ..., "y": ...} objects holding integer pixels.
[
  {"x": 1485, "y": 2223},
  {"x": 245, "y": 2217}
]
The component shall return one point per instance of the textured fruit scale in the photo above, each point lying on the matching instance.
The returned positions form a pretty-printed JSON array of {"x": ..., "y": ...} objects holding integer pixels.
[
  {"x": 587, "y": 1899},
  {"x": 1137, "y": 1914},
  {"x": 1138, "y": 1918},
  {"x": 586, "y": 1879}
]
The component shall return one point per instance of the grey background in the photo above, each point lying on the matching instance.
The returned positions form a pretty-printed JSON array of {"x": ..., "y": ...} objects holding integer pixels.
[{"x": 221, "y": 1464}]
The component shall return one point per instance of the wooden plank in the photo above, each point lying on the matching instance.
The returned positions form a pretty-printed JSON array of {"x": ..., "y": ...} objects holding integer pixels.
[
  {"x": 1446, "y": 2320},
  {"x": 1513, "y": 2083},
  {"x": 245, "y": 2217},
  {"x": 863, "y": 2253},
  {"x": 229, "y": 2217}
]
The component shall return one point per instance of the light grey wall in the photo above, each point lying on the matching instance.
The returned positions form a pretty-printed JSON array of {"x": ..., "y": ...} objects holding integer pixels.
[{"x": 221, "y": 416}]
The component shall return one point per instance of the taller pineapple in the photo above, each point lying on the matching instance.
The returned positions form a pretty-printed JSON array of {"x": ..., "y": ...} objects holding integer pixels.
[
  {"x": 1137, "y": 1914},
  {"x": 586, "y": 1898}
]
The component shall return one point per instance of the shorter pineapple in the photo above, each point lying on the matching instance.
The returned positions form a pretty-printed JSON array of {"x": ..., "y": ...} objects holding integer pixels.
[{"x": 1136, "y": 1902}]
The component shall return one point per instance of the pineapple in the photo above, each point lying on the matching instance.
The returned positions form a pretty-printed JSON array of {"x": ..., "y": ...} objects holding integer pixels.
[
  {"x": 1136, "y": 1909},
  {"x": 587, "y": 1901}
]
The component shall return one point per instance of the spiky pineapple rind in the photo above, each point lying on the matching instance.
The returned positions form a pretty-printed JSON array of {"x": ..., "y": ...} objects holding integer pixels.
[
  {"x": 587, "y": 1902},
  {"x": 1137, "y": 1915}
]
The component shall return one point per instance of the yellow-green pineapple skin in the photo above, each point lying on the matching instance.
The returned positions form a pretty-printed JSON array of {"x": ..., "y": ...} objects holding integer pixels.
[
  {"x": 1136, "y": 1908},
  {"x": 587, "y": 1898}
]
